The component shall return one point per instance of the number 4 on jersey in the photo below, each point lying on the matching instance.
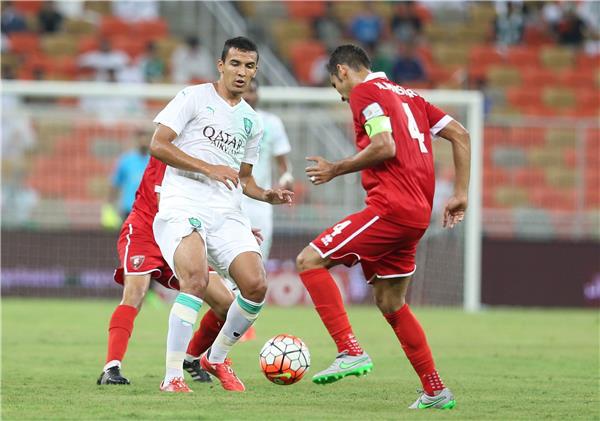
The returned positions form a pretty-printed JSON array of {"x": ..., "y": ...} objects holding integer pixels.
[{"x": 413, "y": 129}]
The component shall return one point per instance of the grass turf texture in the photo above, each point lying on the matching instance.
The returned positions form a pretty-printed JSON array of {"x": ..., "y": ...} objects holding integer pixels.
[{"x": 501, "y": 364}]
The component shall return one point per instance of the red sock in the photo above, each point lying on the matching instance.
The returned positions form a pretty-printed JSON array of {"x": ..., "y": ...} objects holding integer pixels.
[
  {"x": 413, "y": 341},
  {"x": 209, "y": 328},
  {"x": 119, "y": 331},
  {"x": 328, "y": 303}
]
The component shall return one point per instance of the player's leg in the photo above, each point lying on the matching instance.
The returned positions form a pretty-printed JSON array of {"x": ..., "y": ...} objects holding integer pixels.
[
  {"x": 327, "y": 299},
  {"x": 390, "y": 296},
  {"x": 248, "y": 272},
  {"x": 189, "y": 262},
  {"x": 121, "y": 326},
  {"x": 219, "y": 297}
]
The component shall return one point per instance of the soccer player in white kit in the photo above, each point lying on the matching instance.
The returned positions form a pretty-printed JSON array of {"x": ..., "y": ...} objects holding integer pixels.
[
  {"x": 209, "y": 136},
  {"x": 274, "y": 146}
]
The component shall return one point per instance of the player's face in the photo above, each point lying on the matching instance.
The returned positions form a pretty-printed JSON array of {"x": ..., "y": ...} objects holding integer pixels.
[
  {"x": 238, "y": 69},
  {"x": 341, "y": 83}
]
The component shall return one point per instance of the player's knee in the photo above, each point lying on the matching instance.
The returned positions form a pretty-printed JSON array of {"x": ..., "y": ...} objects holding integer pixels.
[
  {"x": 256, "y": 291},
  {"x": 389, "y": 304},
  {"x": 194, "y": 282},
  {"x": 307, "y": 259}
]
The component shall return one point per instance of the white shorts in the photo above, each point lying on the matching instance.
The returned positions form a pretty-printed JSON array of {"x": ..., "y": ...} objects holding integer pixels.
[
  {"x": 226, "y": 235},
  {"x": 261, "y": 216}
]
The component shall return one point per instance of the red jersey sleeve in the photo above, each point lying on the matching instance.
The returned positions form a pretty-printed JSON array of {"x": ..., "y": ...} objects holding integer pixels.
[
  {"x": 366, "y": 103},
  {"x": 438, "y": 119}
]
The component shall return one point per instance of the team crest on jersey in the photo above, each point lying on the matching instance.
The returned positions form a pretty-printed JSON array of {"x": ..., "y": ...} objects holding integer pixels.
[
  {"x": 195, "y": 222},
  {"x": 247, "y": 125},
  {"x": 136, "y": 261}
]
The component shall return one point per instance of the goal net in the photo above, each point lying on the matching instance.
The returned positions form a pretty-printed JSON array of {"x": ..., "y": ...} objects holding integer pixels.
[{"x": 60, "y": 143}]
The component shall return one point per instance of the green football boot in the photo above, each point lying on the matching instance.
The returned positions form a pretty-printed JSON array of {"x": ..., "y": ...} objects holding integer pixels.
[
  {"x": 344, "y": 365},
  {"x": 443, "y": 400}
]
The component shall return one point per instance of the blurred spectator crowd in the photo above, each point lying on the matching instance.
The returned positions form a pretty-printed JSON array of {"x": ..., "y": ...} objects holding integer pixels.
[
  {"x": 118, "y": 41},
  {"x": 552, "y": 47}
]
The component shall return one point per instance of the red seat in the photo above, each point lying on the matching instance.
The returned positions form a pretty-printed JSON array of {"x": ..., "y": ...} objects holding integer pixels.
[
  {"x": 111, "y": 26},
  {"x": 523, "y": 57},
  {"x": 554, "y": 199},
  {"x": 539, "y": 77},
  {"x": 24, "y": 43},
  {"x": 305, "y": 9},
  {"x": 87, "y": 43},
  {"x": 537, "y": 37},
  {"x": 29, "y": 7},
  {"x": 485, "y": 55},
  {"x": 303, "y": 55},
  {"x": 529, "y": 177},
  {"x": 520, "y": 97},
  {"x": 133, "y": 46},
  {"x": 586, "y": 61},
  {"x": 580, "y": 78},
  {"x": 151, "y": 30}
]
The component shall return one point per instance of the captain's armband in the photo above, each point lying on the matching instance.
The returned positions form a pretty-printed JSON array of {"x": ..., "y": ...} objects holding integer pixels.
[{"x": 378, "y": 125}]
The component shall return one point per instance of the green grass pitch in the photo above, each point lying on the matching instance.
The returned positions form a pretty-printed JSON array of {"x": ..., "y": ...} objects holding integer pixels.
[{"x": 501, "y": 364}]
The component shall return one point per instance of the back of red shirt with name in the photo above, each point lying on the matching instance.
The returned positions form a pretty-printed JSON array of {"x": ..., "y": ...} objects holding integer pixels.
[{"x": 400, "y": 188}]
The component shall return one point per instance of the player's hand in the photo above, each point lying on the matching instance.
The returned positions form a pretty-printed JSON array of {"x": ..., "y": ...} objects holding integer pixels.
[
  {"x": 278, "y": 196},
  {"x": 258, "y": 235},
  {"x": 454, "y": 211},
  {"x": 225, "y": 175},
  {"x": 322, "y": 172}
]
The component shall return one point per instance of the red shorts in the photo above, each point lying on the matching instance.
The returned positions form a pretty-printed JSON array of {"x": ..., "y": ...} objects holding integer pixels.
[
  {"x": 385, "y": 249},
  {"x": 139, "y": 254}
]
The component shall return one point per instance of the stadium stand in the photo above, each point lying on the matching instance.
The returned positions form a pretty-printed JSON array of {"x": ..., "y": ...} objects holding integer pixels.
[{"x": 544, "y": 168}]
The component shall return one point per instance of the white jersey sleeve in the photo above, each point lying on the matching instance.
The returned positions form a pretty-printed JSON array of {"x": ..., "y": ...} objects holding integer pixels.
[
  {"x": 281, "y": 143},
  {"x": 253, "y": 146},
  {"x": 179, "y": 111}
]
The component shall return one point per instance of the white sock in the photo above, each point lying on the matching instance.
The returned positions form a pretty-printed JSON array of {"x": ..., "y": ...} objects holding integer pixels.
[
  {"x": 240, "y": 317},
  {"x": 181, "y": 328},
  {"x": 113, "y": 363}
]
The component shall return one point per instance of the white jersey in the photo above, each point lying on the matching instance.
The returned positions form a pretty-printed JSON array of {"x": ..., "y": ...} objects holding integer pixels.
[
  {"x": 274, "y": 143},
  {"x": 210, "y": 129}
]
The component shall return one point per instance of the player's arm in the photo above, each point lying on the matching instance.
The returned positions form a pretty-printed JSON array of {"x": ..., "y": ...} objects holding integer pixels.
[
  {"x": 381, "y": 148},
  {"x": 162, "y": 148},
  {"x": 461, "y": 151},
  {"x": 252, "y": 190},
  {"x": 286, "y": 179}
]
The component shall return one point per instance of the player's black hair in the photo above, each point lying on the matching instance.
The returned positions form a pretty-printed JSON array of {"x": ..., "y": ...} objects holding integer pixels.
[
  {"x": 239, "y": 43},
  {"x": 351, "y": 55}
]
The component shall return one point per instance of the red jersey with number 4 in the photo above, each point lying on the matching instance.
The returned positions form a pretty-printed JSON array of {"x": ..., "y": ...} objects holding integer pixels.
[
  {"x": 146, "y": 201},
  {"x": 400, "y": 188}
]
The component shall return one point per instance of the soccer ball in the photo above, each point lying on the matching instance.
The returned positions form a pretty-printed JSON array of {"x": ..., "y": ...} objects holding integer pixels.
[{"x": 284, "y": 359}]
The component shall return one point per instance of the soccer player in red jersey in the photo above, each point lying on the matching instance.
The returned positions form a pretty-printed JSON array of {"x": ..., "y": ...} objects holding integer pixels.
[
  {"x": 141, "y": 261},
  {"x": 393, "y": 127}
]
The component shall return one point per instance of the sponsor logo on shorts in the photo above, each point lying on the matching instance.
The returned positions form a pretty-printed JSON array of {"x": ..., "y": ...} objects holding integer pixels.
[
  {"x": 195, "y": 222},
  {"x": 136, "y": 261}
]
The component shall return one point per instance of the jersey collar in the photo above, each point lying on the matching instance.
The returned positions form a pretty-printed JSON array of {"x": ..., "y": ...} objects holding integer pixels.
[{"x": 375, "y": 75}]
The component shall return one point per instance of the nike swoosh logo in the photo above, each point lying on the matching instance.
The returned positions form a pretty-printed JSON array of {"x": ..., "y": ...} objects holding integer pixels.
[
  {"x": 430, "y": 404},
  {"x": 344, "y": 365},
  {"x": 284, "y": 375}
]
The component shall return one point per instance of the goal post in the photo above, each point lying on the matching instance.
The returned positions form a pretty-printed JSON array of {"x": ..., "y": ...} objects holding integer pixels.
[{"x": 317, "y": 122}]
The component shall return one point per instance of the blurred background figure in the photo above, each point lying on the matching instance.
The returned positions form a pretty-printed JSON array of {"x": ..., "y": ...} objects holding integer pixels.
[
  {"x": 154, "y": 68},
  {"x": 12, "y": 19},
  {"x": 104, "y": 60},
  {"x": 367, "y": 27},
  {"x": 274, "y": 148},
  {"x": 509, "y": 24},
  {"x": 126, "y": 178},
  {"x": 135, "y": 10},
  {"x": 49, "y": 18},
  {"x": 192, "y": 63},
  {"x": 406, "y": 24},
  {"x": 408, "y": 68}
]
